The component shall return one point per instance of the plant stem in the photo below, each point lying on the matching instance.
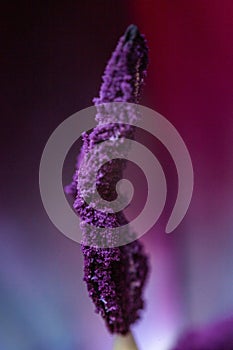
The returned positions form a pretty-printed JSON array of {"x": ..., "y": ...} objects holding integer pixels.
[{"x": 125, "y": 342}]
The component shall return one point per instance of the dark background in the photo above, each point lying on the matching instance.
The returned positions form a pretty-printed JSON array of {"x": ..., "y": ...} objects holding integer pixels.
[{"x": 52, "y": 57}]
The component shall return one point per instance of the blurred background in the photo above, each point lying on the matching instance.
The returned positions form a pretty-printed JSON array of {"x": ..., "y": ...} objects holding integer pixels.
[{"x": 52, "y": 58}]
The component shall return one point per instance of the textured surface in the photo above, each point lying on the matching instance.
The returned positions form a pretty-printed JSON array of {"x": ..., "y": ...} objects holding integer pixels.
[{"x": 115, "y": 276}]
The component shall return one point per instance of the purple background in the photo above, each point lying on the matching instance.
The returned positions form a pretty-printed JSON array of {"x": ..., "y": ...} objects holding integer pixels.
[{"x": 52, "y": 59}]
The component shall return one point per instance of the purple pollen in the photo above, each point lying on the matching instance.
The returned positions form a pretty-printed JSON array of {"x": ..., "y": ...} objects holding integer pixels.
[{"x": 115, "y": 277}]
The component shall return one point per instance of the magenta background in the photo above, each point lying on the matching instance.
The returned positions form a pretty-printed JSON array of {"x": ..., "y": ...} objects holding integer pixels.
[{"x": 52, "y": 60}]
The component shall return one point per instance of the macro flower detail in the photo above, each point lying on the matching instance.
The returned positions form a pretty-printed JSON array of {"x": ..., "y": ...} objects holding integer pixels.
[{"x": 115, "y": 276}]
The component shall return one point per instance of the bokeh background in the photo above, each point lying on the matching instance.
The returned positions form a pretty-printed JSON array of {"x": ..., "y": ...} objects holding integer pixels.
[{"x": 52, "y": 57}]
